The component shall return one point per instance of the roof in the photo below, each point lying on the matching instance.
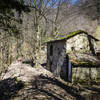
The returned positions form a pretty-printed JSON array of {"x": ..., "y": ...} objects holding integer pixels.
[
  {"x": 72, "y": 34},
  {"x": 84, "y": 60}
]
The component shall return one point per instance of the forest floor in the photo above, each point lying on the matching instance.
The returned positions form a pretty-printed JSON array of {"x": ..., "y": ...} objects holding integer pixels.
[{"x": 23, "y": 82}]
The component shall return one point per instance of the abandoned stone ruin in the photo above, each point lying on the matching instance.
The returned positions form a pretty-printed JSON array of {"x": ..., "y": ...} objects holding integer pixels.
[{"x": 74, "y": 57}]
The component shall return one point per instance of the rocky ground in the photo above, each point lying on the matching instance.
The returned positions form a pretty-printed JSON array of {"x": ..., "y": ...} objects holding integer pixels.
[{"x": 23, "y": 82}]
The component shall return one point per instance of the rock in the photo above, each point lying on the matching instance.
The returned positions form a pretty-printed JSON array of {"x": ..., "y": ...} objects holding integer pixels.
[{"x": 24, "y": 72}]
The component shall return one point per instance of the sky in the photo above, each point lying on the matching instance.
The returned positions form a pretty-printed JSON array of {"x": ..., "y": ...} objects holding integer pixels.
[
  {"x": 57, "y": 1},
  {"x": 74, "y": 1}
]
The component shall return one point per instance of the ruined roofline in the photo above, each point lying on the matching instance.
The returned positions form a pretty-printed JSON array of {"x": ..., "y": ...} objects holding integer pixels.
[{"x": 70, "y": 35}]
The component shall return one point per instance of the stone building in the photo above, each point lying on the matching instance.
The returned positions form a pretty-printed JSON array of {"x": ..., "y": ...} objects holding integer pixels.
[
  {"x": 60, "y": 50},
  {"x": 57, "y": 58}
]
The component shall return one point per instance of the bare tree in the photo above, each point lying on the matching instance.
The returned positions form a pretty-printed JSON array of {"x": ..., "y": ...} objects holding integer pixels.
[
  {"x": 40, "y": 9},
  {"x": 9, "y": 28}
]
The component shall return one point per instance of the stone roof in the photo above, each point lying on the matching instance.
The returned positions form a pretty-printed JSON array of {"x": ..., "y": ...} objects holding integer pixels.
[{"x": 70, "y": 35}]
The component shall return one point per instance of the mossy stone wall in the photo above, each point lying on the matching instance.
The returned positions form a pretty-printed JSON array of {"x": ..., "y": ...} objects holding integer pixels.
[
  {"x": 78, "y": 43},
  {"x": 82, "y": 73}
]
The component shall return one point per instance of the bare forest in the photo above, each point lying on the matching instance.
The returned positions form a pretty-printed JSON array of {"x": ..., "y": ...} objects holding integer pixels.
[{"x": 26, "y": 25}]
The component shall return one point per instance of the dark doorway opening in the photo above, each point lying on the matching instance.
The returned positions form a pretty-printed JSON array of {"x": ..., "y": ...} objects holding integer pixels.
[{"x": 51, "y": 50}]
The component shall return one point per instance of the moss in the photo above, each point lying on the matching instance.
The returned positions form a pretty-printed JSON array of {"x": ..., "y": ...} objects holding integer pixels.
[
  {"x": 35, "y": 66},
  {"x": 98, "y": 29},
  {"x": 98, "y": 79},
  {"x": 17, "y": 56},
  {"x": 17, "y": 80},
  {"x": 83, "y": 82},
  {"x": 72, "y": 34},
  {"x": 84, "y": 63},
  {"x": 77, "y": 80},
  {"x": 86, "y": 81},
  {"x": 80, "y": 81},
  {"x": 66, "y": 37}
]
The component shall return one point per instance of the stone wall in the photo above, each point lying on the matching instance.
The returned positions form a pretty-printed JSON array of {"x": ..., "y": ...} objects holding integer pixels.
[
  {"x": 56, "y": 58},
  {"x": 81, "y": 73},
  {"x": 81, "y": 44},
  {"x": 78, "y": 48}
]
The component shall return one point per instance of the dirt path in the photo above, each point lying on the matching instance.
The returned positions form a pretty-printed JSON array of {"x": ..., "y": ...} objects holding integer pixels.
[{"x": 22, "y": 82}]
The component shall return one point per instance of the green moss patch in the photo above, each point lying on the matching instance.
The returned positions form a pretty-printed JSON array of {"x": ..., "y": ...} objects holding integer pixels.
[
  {"x": 72, "y": 34},
  {"x": 50, "y": 39},
  {"x": 80, "y": 63},
  {"x": 98, "y": 29},
  {"x": 66, "y": 37},
  {"x": 86, "y": 81},
  {"x": 80, "y": 81},
  {"x": 98, "y": 79}
]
